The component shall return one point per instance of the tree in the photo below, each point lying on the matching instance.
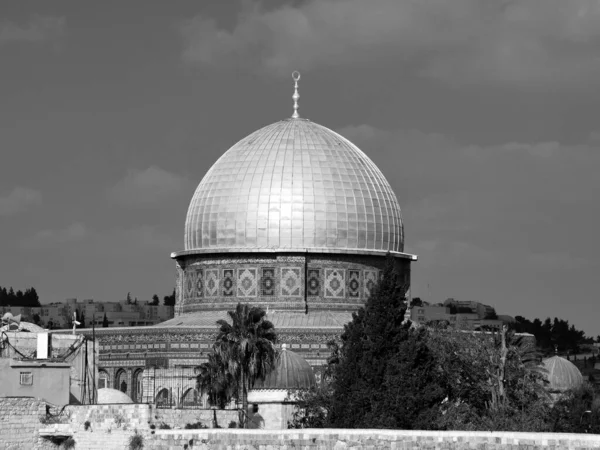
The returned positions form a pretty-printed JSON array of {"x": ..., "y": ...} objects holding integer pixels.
[
  {"x": 169, "y": 300},
  {"x": 416, "y": 302},
  {"x": 246, "y": 348},
  {"x": 155, "y": 300},
  {"x": 216, "y": 382},
  {"x": 81, "y": 320},
  {"x": 105, "y": 321},
  {"x": 369, "y": 343},
  {"x": 37, "y": 319},
  {"x": 129, "y": 298}
]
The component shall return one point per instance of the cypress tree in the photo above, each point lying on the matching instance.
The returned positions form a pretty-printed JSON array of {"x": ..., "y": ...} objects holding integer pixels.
[{"x": 369, "y": 343}]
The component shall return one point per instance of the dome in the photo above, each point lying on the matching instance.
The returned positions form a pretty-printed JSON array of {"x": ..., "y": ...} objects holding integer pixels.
[
  {"x": 291, "y": 372},
  {"x": 107, "y": 396},
  {"x": 294, "y": 185},
  {"x": 562, "y": 374}
]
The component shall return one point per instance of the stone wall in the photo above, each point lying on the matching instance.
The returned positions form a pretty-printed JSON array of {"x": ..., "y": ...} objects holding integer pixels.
[
  {"x": 365, "y": 439},
  {"x": 20, "y": 424}
]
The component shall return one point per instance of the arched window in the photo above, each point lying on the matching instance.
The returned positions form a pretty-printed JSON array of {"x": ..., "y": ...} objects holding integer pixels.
[
  {"x": 190, "y": 398},
  {"x": 103, "y": 379},
  {"x": 163, "y": 398},
  {"x": 121, "y": 381},
  {"x": 138, "y": 386}
]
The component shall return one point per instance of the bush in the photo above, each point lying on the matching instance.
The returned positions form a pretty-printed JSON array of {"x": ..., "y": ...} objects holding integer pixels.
[
  {"x": 164, "y": 426},
  {"x": 233, "y": 424},
  {"x": 136, "y": 442},
  {"x": 86, "y": 425},
  {"x": 195, "y": 426},
  {"x": 68, "y": 443}
]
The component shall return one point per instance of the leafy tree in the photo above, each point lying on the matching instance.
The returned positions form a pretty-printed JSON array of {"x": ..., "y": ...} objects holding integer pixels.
[
  {"x": 129, "y": 298},
  {"x": 577, "y": 411},
  {"x": 416, "y": 302},
  {"x": 81, "y": 320},
  {"x": 105, "y": 321},
  {"x": 169, "y": 300},
  {"x": 37, "y": 319},
  {"x": 245, "y": 348},
  {"x": 155, "y": 300}
]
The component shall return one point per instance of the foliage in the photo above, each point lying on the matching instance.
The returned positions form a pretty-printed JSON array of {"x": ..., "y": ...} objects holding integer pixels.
[
  {"x": 105, "y": 321},
  {"x": 552, "y": 334},
  {"x": 155, "y": 300},
  {"x": 164, "y": 426},
  {"x": 169, "y": 300},
  {"x": 195, "y": 426},
  {"x": 87, "y": 425},
  {"x": 136, "y": 441},
  {"x": 242, "y": 353},
  {"x": 68, "y": 443},
  {"x": 11, "y": 298},
  {"x": 577, "y": 411}
]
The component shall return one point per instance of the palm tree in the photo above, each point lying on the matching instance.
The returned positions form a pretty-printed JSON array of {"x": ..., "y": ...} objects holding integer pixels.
[
  {"x": 245, "y": 346},
  {"x": 214, "y": 381}
]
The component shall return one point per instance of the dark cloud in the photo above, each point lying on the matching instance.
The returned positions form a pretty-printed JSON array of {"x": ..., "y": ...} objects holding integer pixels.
[
  {"x": 148, "y": 187},
  {"x": 461, "y": 41},
  {"x": 19, "y": 200},
  {"x": 37, "y": 29}
]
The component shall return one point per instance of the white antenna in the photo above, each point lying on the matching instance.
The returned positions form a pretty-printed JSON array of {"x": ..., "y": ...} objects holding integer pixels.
[{"x": 75, "y": 323}]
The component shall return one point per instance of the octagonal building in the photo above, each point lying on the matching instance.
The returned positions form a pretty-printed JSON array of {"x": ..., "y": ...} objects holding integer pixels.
[{"x": 293, "y": 218}]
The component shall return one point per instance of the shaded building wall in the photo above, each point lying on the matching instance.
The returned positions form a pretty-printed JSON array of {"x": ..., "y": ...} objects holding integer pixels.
[{"x": 47, "y": 381}]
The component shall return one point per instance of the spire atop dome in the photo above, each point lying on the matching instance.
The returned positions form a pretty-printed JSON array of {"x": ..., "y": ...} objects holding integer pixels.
[{"x": 296, "y": 96}]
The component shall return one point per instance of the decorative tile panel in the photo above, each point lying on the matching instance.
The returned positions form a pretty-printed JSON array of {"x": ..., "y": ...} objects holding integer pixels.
[
  {"x": 228, "y": 283},
  {"x": 199, "y": 288},
  {"x": 370, "y": 282},
  {"x": 267, "y": 282},
  {"x": 335, "y": 283},
  {"x": 211, "y": 283},
  {"x": 290, "y": 282},
  {"x": 354, "y": 283},
  {"x": 190, "y": 283},
  {"x": 246, "y": 283},
  {"x": 314, "y": 282}
]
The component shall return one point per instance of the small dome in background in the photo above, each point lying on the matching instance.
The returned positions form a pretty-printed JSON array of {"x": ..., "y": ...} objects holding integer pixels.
[
  {"x": 291, "y": 372},
  {"x": 107, "y": 396},
  {"x": 562, "y": 374}
]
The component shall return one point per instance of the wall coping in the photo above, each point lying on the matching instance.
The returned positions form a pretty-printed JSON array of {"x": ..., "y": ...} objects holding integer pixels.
[{"x": 308, "y": 433}]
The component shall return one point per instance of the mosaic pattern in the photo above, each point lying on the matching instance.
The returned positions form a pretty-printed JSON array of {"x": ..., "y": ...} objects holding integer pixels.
[
  {"x": 246, "y": 283},
  {"x": 314, "y": 282},
  {"x": 335, "y": 283},
  {"x": 190, "y": 283},
  {"x": 354, "y": 283},
  {"x": 228, "y": 283},
  {"x": 294, "y": 184},
  {"x": 267, "y": 282},
  {"x": 199, "y": 291},
  {"x": 290, "y": 282},
  {"x": 371, "y": 277},
  {"x": 211, "y": 283}
]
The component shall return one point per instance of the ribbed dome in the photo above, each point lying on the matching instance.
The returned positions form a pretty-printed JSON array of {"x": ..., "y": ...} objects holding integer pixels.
[
  {"x": 562, "y": 374},
  {"x": 107, "y": 396},
  {"x": 291, "y": 372},
  {"x": 294, "y": 185}
]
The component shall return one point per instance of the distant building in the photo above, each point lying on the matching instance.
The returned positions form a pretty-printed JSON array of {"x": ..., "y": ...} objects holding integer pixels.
[
  {"x": 118, "y": 314},
  {"x": 461, "y": 314}
]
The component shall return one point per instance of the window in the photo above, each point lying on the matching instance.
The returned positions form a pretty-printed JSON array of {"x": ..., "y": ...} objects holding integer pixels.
[{"x": 26, "y": 378}]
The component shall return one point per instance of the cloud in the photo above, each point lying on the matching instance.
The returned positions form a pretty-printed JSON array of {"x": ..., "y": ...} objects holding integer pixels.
[
  {"x": 19, "y": 200},
  {"x": 75, "y": 232},
  {"x": 38, "y": 29},
  {"x": 147, "y": 187},
  {"x": 524, "y": 42}
]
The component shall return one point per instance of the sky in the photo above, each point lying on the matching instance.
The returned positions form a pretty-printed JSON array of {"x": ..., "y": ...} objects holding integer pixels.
[{"x": 482, "y": 114}]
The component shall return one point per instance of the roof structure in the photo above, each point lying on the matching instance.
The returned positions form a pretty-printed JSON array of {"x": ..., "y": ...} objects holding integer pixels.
[
  {"x": 291, "y": 372},
  {"x": 562, "y": 374},
  {"x": 294, "y": 185}
]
